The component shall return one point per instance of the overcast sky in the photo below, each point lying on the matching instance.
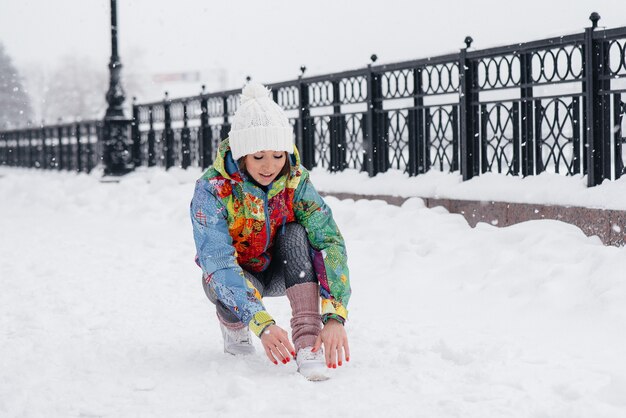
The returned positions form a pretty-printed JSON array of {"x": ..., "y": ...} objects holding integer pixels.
[{"x": 271, "y": 39}]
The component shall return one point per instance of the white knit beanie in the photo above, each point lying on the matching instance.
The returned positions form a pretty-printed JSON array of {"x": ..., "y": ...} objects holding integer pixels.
[{"x": 259, "y": 124}]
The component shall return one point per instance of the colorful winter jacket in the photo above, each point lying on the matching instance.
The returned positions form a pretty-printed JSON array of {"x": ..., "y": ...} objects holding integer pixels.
[{"x": 234, "y": 225}]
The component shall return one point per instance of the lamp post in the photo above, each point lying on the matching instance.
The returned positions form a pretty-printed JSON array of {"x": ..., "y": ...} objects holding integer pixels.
[{"x": 117, "y": 153}]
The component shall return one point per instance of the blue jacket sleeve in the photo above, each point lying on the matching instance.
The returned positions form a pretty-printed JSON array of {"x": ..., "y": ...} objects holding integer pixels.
[{"x": 217, "y": 257}]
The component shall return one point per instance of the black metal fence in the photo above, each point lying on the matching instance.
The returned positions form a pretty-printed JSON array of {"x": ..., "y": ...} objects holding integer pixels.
[
  {"x": 554, "y": 105},
  {"x": 69, "y": 146}
]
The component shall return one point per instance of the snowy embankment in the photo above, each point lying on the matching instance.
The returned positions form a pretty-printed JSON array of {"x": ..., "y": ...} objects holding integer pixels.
[{"x": 102, "y": 313}]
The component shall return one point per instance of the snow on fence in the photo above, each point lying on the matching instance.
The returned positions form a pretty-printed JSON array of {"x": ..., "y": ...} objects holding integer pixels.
[{"x": 553, "y": 105}]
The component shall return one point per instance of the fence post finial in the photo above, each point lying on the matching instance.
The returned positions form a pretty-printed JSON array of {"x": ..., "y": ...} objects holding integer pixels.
[
  {"x": 248, "y": 78},
  {"x": 203, "y": 89},
  {"x": 468, "y": 114},
  {"x": 302, "y": 70},
  {"x": 597, "y": 113},
  {"x": 594, "y": 17},
  {"x": 374, "y": 57}
]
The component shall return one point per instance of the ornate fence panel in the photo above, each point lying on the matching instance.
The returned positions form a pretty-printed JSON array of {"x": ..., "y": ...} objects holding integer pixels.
[
  {"x": 530, "y": 99},
  {"x": 554, "y": 105},
  {"x": 182, "y": 132}
]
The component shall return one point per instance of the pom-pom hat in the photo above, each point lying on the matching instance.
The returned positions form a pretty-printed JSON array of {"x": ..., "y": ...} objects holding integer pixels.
[{"x": 259, "y": 124}]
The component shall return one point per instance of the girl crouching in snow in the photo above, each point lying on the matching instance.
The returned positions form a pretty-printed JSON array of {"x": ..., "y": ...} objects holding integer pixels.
[{"x": 261, "y": 229}]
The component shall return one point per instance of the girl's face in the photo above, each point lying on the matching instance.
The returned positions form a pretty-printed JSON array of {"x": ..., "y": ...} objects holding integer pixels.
[{"x": 265, "y": 166}]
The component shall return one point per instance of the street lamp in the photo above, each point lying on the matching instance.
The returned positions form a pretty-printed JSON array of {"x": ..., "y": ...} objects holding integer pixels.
[{"x": 117, "y": 155}]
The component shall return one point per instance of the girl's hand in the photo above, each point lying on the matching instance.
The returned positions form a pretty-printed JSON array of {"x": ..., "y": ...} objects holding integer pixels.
[
  {"x": 276, "y": 344},
  {"x": 335, "y": 340}
]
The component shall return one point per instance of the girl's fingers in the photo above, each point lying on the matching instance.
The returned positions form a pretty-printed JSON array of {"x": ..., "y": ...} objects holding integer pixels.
[
  {"x": 346, "y": 349},
  {"x": 269, "y": 354},
  {"x": 327, "y": 353},
  {"x": 288, "y": 346},
  {"x": 340, "y": 357},
  {"x": 283, "y": 354},
  {"x": 277, "y": 346},
  {"x": 318, "y": 343},
  {"x": 284, "y": 339},
  {"x": 333, "y": 356},
  {"x": 279, "y": 349},
  {"x": 330, "y": 349}
]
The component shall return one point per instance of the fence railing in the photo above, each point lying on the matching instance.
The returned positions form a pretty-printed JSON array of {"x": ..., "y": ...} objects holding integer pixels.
[
  {"x": 554, "y": 105},
  {"x": 67, "y": 146}
]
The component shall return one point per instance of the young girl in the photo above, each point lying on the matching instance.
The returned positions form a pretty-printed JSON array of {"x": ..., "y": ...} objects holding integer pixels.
[{"x": 261, "y": 229}]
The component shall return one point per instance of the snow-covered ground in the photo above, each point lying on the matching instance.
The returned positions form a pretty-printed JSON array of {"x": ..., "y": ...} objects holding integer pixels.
[{"x": 102, "y": 313}]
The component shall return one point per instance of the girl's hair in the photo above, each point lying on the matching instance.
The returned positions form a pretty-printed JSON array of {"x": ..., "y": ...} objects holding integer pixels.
[{"x": 284, "y": 171}]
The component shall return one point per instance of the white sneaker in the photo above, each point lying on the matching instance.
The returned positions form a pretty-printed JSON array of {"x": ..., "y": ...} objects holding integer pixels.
[
  {"x": 237, "y": 341},
  {"x": 312, "y": 365}
]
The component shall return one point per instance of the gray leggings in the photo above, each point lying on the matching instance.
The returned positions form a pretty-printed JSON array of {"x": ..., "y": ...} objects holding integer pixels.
[{"x": 291, "y": 265}]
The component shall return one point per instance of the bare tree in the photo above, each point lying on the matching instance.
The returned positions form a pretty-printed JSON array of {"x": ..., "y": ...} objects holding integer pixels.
[{"x": 74, "y": 89}]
